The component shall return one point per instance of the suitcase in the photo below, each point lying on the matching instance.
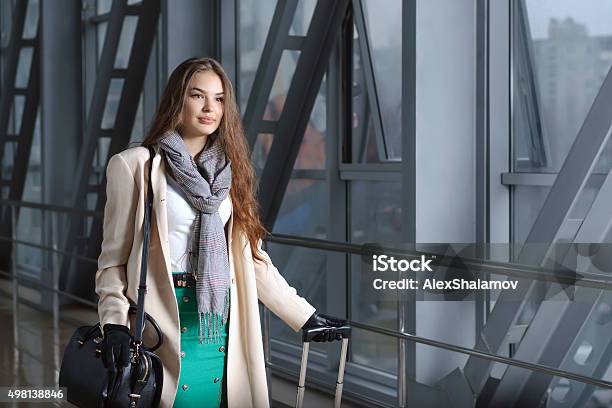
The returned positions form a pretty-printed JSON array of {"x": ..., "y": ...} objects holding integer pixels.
[{"x": 307, "y": 336}]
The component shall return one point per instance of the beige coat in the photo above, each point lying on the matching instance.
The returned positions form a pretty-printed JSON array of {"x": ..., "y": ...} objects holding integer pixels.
[{"x": 119, "y": 271}]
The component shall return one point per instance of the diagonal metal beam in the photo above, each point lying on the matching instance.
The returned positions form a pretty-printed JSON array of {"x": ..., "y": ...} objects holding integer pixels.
[
  {"x": 546, "y": 341},
  {"x": 311, "y": 66},
  {"x": 92, "y": 131},
  {"x": 126, "y": 113},
  {"x": 598, "y": 361},
  {"x": 28, "y": 124},
  {"x": 563, "y": 195},
  {"x": 264, "y": 77},
  {"x": 96, "y": 110},
  {"x": 10, "y": 73},
  {"x": 563, "y": 324},
  {"x": 23, "y": 136},
  {"x": 133, "y": 79}
]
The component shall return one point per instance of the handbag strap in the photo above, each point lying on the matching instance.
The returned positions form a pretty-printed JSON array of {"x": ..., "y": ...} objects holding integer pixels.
[{"x": 142, "y": 287}]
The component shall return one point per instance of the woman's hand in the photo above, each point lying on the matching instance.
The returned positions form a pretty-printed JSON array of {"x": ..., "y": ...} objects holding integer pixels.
[
  {"x": 116, "y": 347},
  {"x": 329, "y": 327}
]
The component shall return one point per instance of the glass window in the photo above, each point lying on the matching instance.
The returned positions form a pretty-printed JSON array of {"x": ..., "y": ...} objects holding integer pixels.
[
  {"x": 379, "y": 221},
  {"x": 253, "y": 23},
  {"x": 101, "y": 36},
  {"x": 383, "y": 25},
  {"x": 23, "y": 67},
  {"x": 6, "y": 22},
  {"x": 305, "y": 207},
  {"x": 112, "y": 103},
  {"x": 30, "y": 221},
  {"x": 282, "y": 82},
  {"x": 103, "y": 6},
  {"x": 302, "y": 17},
  {"x": 373, "y": 211},
  {"x": 30, "y": 26},
  {"x": 17, "y": 112},
  {"x": 561, "y": 56},
  {"x": 304, "y": 210},
  {"x": 304, "y": 269},
  {"x": 126, "y": 40},
  {"x": 528, "y": 201},
  {"x": 365, "y": 143}
]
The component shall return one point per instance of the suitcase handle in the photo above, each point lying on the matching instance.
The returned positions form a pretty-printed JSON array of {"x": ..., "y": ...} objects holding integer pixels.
[
  {"x": 309, "y": 334},
  {"x": 299, "y": 401}
]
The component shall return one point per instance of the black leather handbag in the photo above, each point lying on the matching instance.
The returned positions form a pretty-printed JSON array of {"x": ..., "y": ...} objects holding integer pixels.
[{"x": 139, "y": 384}]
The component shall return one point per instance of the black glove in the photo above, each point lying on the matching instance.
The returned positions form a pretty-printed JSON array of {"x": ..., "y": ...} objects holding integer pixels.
[
  {"x": 321, "y": 320},
  {"x": 116, "y": 346}
]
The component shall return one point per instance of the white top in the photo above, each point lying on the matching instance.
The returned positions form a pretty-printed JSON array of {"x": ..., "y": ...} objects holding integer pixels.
[{"x": 181, "y": 218}]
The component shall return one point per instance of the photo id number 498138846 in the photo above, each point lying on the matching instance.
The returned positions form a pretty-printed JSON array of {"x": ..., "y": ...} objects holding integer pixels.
[{"x": 32, "y": 394}]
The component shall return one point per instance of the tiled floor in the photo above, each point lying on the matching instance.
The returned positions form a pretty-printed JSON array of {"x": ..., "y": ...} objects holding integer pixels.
[{"x": 31, "y": 348}]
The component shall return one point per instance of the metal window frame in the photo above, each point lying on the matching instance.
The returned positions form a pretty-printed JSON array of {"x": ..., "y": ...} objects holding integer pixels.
[
  {"x": 24, "y": 136},
  {"x": 309, "y": 243},
  {"x": 525, "y": 67},
  {"x": 367, "y": 63},
  {"x": 264, "y": 79},
  {"x": 407, "y": 387},
  {"x": 574, "y": 174},
  {"x": 538, "y": 274},
  {"x": 118, "y": 137},
  {"x": 347, "y": 171},
  {"x": 499, "y": 96},
  {"x": 482, "y": 199}
]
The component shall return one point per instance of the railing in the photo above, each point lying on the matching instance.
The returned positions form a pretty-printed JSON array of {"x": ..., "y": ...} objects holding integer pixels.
[
  {"x": 488, "y": 267},
  {"x": 492, "y": 267},
  {"x": 54, "y": 249}
]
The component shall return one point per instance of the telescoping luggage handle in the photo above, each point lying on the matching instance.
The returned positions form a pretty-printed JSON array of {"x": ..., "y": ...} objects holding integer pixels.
[{"x": 307, "y": 336}]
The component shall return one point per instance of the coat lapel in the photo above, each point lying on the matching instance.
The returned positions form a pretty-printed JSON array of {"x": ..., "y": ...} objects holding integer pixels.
[
  {"x": 159, "y": 206},
  {"x": 230, "y": 233}
]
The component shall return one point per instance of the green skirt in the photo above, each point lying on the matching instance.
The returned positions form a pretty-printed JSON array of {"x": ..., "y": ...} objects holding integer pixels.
[{"x": 202, "y": 381}]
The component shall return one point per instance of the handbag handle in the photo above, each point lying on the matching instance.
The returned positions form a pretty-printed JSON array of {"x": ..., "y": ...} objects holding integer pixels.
[
  {"x": 142, "y": 286},
  {"x": 148, "y": 318}
]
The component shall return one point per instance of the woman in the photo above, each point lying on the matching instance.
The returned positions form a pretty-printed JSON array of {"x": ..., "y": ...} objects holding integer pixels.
[{"x": 207, "y": 269}]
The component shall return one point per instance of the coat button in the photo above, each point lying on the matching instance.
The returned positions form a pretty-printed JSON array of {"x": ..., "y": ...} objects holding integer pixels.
[
  {"x": 182, "y": 354},
  {"x": 183, "y": 329},
  {"x": 185, "y": 387},
  {"x": 186, "y": 299},
  {"x": 216, "y": 380},
  {"x": 222, "y": 349}
]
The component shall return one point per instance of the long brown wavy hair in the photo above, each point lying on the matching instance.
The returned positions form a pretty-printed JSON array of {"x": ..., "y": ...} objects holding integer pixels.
[{"x": 231, "y": 136}]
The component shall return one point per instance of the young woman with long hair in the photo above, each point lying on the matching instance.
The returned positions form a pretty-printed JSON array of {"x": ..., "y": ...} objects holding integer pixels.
[{"x": 207, "y": 269}]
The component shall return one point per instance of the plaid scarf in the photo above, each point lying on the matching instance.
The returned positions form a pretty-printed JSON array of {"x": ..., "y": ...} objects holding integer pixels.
[{"x": 206, "y": 184}]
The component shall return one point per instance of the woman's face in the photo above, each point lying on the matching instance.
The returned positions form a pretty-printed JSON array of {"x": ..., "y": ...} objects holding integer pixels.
[{"x": 203, "y": 108}]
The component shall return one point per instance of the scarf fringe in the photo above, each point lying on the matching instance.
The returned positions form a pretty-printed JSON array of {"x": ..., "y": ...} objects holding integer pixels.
[{"x": 211, "y": 324}]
